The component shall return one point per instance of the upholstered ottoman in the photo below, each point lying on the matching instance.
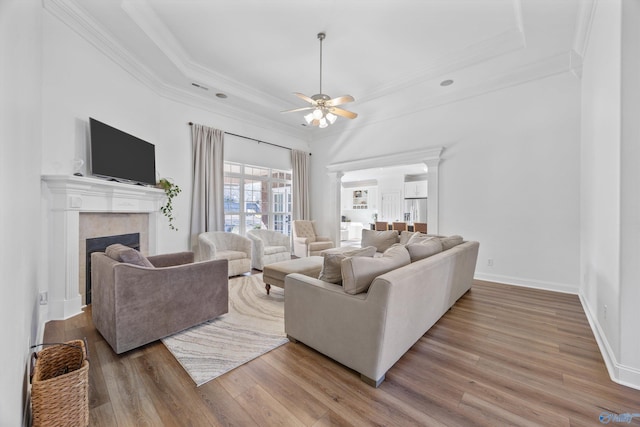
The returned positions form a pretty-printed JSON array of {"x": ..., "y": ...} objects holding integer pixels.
[{"x": 274, "y": 274}]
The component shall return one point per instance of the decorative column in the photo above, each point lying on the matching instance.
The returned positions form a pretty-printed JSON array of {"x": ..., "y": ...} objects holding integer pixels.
[{"x": 432, "y": 191}]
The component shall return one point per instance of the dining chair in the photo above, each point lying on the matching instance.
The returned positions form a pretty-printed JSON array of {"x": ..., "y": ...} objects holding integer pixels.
[{"x": 400, "y": 226}]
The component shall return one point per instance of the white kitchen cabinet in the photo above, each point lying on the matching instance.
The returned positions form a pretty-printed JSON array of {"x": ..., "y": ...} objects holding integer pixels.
[{"x": 415, "y": 189}]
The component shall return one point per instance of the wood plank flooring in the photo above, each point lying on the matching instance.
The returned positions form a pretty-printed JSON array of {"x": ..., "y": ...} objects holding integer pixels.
[{"x": 503, "y": 355}]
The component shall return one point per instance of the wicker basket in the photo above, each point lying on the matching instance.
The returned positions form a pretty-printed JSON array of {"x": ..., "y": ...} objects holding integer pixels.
[{"x": 60, "y": 386}]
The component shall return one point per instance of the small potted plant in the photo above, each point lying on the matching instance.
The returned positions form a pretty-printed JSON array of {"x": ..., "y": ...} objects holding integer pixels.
[{"x": 171, "y": 190}]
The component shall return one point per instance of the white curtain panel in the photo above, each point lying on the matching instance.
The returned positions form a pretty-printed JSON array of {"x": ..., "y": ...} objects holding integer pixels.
[
  {"x": 207, "y": 201},
  {"x": 300, "y": 185}
]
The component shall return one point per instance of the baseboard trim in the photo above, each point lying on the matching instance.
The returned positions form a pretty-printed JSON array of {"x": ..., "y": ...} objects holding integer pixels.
[
  {"x": 619, "y": 373},
  {"x": 517, "y": 281}
]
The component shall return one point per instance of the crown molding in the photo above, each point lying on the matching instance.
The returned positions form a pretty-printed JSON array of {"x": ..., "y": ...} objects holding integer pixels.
[
  {"x": 473, "y": 54},
  {"x": 511, "y": 40},
  {"x": 91, "y": 31},
  {"x": 147, "y": 20},
  {"x": 546, "y": 67}
]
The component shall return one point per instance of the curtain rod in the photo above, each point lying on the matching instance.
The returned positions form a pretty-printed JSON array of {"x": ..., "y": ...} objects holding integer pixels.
[{"x": 253, "y": 139}]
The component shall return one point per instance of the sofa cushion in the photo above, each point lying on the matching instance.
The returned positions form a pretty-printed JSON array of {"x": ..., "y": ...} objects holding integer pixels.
[
  {"x": 230, "y": 255},
  {"x": 270, "y": 250},
  {"x": 406, "y": 235},
  {"x": 122, "y": 253},
  {"x": 450, "y": 242},
  {"x": 359, "y": 272},
  {"x": 382, "y": 240},
  {"x": 332, "y": 266},
  {"x": 424, "y": 248}
]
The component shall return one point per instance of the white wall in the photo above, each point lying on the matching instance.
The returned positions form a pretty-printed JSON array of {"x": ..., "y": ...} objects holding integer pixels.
[
  {"x": 610, "y": 207},
  {"x": 20, "y": 137},
  {"x": 509, "y": 177},
  {"x": 600, "y": 158},
  {"x": 80, "y": 82},
  {"x": 630, "y": 197}
]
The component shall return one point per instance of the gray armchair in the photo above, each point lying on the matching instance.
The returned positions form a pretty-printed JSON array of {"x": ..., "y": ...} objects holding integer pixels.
[
  {"x": 268, "y": 247},
  {"x": 222, "y": 245},
  {"x": 133, "y": 305}
]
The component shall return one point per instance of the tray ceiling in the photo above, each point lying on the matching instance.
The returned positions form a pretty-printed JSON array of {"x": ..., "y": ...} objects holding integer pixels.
[{"x": 390, "y": 55}]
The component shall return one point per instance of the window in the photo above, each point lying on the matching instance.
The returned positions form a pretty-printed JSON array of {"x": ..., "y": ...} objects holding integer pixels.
[{"x": 256, "y": 197}]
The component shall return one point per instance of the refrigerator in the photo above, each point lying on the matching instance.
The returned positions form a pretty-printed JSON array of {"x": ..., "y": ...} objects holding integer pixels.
[{"x": 415, "y": 210}]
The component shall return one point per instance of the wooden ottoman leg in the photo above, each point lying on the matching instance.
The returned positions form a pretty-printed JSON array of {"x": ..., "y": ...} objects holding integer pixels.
[{"x": 267, "y": 287}]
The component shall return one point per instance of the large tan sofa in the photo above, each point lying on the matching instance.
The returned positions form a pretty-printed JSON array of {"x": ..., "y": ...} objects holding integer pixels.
[
  {"x": 370, "y": 330},
  {"x": 137, "y": 300}
]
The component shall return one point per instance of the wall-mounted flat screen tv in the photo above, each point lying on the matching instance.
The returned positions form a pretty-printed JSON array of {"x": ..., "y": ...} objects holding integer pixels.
[{"x": 117, "y": 155}]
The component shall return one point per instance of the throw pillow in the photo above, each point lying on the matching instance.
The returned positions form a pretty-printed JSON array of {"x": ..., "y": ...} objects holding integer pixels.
[
  {"x": 114, "y": 251},
  {"x": 450, "y": 242},
  {"x": 359, "y": 272},
  {"x": 134, "y": 257},
  {"x": 382, "y": 240},
  {"x": 122, "y": 253},
  {"x": 424, "y": 248},
  {"x": 331, "y": 268}
]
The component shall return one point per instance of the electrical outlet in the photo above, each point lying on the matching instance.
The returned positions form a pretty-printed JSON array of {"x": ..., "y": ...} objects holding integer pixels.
[
  {"x": 490, "y": 262},
  {"x": 44, "y": 298}
]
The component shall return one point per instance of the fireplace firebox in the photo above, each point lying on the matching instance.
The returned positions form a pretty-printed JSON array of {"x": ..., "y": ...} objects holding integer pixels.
[{"x": 99, "y": 244}]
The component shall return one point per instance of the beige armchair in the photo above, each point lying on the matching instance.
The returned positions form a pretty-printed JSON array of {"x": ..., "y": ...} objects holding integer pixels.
[
  {"x": 137, "y": 300},
  {"x": 222, "y": 245},
  {"x": 268, "y": 247},
  {"x": 306, "y": 242}
]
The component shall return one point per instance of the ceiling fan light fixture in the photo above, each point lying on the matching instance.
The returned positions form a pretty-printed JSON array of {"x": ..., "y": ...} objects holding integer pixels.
[
  {"x": 323, "y": 105},
  {"x": 318, "y": 113},
  {"x": 308, "y": 118}
]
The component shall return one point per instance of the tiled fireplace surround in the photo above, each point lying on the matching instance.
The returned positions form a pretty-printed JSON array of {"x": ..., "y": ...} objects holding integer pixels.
[{"x": 81, "y": 208}]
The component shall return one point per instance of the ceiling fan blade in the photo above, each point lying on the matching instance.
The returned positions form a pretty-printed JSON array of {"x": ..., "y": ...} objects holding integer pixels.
[
  {"x": 343, "y": 113},
  {"x": 306, "y": 98},
  {"x": 298, "y": 109},
  {"x": 339, "y": 100}
]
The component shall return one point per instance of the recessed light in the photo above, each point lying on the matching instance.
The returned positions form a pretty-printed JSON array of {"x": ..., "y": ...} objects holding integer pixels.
[
  {"x": 221, "y": 95},
  {"x": 446, "y": 82}
]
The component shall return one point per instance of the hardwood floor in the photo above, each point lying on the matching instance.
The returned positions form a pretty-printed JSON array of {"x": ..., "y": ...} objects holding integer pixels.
[{"x": 502, "y": 355}]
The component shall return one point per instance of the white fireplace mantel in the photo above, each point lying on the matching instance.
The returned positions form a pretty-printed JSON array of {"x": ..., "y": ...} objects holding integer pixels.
[{"x": 67, "y": 196}]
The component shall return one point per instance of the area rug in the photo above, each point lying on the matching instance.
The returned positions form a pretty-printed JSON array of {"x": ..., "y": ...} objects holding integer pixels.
[{"x": 253, "y": 327}]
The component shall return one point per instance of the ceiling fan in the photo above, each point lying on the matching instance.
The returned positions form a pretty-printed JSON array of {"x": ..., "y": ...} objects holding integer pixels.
[{"x": 325, "y": 109}]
